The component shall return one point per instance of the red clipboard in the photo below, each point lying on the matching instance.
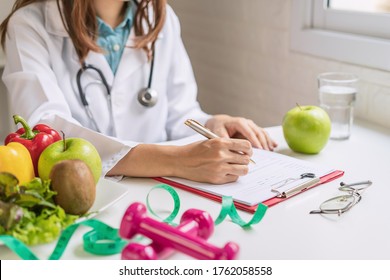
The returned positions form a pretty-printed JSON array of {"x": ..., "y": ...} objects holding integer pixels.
[{"x": 270, "y": 202}]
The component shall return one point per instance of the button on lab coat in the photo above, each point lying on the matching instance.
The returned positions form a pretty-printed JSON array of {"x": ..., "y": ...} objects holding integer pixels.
[{"x": 40, "y": 76}]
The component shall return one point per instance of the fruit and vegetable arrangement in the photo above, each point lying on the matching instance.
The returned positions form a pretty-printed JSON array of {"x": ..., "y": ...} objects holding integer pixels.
[{"x": 47, "y": 182}]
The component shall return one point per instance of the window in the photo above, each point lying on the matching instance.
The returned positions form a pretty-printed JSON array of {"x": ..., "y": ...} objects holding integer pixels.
[
  {"x": 354, "y": 31},
  {"x": 372, "y": 6}
]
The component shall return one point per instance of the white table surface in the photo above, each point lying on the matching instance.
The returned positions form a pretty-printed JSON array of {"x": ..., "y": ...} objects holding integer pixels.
[{"x": 287, "y": 231}]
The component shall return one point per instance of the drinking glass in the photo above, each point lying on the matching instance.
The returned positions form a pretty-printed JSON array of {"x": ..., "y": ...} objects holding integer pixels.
[{"x": 337, "y": 96}]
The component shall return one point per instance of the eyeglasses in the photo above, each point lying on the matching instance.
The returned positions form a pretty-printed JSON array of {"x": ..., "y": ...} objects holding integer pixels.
[{"x": 342, "y": 203}]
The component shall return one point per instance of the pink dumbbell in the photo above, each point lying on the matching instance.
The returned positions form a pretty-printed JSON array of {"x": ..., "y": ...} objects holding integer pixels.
[
  {"x": 193, "y": 222},
  {"x": 135, "y": 221}
]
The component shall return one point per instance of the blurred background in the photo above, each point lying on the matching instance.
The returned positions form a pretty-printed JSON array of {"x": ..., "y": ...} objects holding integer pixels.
[{"x": 240, "y": 51}]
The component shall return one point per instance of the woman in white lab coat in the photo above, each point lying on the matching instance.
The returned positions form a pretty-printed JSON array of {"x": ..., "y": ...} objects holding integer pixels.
[{"x": 46, "y": 44}]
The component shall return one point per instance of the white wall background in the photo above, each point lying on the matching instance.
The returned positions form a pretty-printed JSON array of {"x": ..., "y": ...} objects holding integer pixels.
[
  {"x": 5, "y": 7},
  {"x": 243, "y": 64}
]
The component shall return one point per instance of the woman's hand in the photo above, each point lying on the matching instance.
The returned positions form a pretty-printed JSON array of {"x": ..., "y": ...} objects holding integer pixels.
[
  {"x": 241, "y": 128},
  {"x": 216, "y": 161}
]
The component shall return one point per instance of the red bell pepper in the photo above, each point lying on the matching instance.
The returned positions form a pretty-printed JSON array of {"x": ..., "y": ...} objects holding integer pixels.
[{"x": 35, "y": 139}]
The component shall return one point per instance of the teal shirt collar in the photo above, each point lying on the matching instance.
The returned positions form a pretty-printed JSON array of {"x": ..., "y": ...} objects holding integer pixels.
[
  {"x": 127, "y": 22},
  {"x": 113, "y": 41}
]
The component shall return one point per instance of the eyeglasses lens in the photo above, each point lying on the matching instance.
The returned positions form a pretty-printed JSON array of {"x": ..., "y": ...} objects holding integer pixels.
[{"x": 339, "y": 203}]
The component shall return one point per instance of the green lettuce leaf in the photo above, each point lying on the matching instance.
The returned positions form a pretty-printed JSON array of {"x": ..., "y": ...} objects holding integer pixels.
[
  {"x": 42, "y": 220},
  {"x": 41, "y": 228}
]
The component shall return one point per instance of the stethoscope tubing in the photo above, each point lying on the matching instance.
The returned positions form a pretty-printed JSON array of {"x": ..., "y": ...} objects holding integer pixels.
[
  {"x": 151, "y": 67},
  {"x": 84, "y": 68},
  {"x": 147, "y": 96}
]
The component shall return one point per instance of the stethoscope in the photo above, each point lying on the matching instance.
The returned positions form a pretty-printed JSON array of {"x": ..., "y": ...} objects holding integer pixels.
[{"x": 146, "y": 97}]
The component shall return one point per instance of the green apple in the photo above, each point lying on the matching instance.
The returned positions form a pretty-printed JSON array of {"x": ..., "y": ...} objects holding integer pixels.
[
  {"x": 306, "y": 129},
  {"x": 70, "y": 148}
]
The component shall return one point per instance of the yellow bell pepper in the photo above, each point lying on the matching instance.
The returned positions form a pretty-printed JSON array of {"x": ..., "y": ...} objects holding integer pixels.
[{"x": 16, "y": 159}]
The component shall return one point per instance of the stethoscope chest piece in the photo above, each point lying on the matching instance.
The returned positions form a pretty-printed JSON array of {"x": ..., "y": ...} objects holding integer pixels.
[{"x": 147, "y": 97}]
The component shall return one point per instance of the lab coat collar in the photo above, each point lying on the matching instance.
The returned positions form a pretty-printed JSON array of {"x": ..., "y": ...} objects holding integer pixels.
[
  {"x": 53, "y": 22},
  {"x": 132, "y": 58}
]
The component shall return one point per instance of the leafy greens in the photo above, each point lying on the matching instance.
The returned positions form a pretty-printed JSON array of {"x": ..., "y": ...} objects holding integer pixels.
[{"x": 28, "y": 212}]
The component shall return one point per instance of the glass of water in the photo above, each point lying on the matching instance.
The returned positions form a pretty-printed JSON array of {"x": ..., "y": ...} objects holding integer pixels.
[{"x": 337, "y": 96}]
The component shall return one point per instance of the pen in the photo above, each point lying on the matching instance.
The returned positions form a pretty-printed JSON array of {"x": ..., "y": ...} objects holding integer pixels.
[{"x": 204, "y": 131}]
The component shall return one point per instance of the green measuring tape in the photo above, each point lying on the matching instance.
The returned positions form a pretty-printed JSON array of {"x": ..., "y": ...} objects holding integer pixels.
[
  {"x": 102, "y": 240},
  {"x": 228, "y": 209},
  {"x": 105, "y": 240}
]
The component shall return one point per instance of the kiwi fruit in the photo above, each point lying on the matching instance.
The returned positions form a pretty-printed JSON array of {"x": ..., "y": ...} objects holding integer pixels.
[{"x": 75, "y": 186}]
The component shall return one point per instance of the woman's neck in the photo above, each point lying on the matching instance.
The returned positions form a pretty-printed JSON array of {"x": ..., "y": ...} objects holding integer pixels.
[{"x": 110, "y": 11}]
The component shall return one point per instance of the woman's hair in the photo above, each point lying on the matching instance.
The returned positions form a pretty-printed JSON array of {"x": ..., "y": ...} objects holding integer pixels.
[{"x": 79, "y": 19}]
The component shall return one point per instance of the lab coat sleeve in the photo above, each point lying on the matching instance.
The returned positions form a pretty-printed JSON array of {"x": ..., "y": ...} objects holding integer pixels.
[
  {"x": 182, "y": 94},
  {"x": 34, "y": 93},
  {"x": 110, "y": 149},
  {"x": 32, "y": 86}
]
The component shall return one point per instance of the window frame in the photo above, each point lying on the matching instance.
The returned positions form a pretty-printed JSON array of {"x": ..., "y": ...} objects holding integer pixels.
[{"x": 317, "y": 32}]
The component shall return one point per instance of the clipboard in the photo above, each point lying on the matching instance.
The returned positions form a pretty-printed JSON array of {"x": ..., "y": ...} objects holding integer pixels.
[{"x": 269, "y": 202}]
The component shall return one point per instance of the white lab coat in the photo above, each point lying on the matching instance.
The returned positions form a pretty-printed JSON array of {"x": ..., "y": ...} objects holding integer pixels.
[{"x": 40, "y": 76}]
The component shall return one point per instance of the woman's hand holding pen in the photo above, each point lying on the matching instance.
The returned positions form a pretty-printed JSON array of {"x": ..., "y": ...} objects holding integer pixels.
[
  {"x": 227, "y": 153},
  {"x": 216, "y": 161},
  {"x": 237, "y": 127},
  {"x": 221, "y": 159}
]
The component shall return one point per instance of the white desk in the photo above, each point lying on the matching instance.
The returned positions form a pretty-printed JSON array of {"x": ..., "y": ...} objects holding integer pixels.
[{"x": 287, "y": 231}]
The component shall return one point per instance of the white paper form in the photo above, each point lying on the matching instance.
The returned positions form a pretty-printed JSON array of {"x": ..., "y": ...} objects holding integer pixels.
[{"x": 272, "y": 170}]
